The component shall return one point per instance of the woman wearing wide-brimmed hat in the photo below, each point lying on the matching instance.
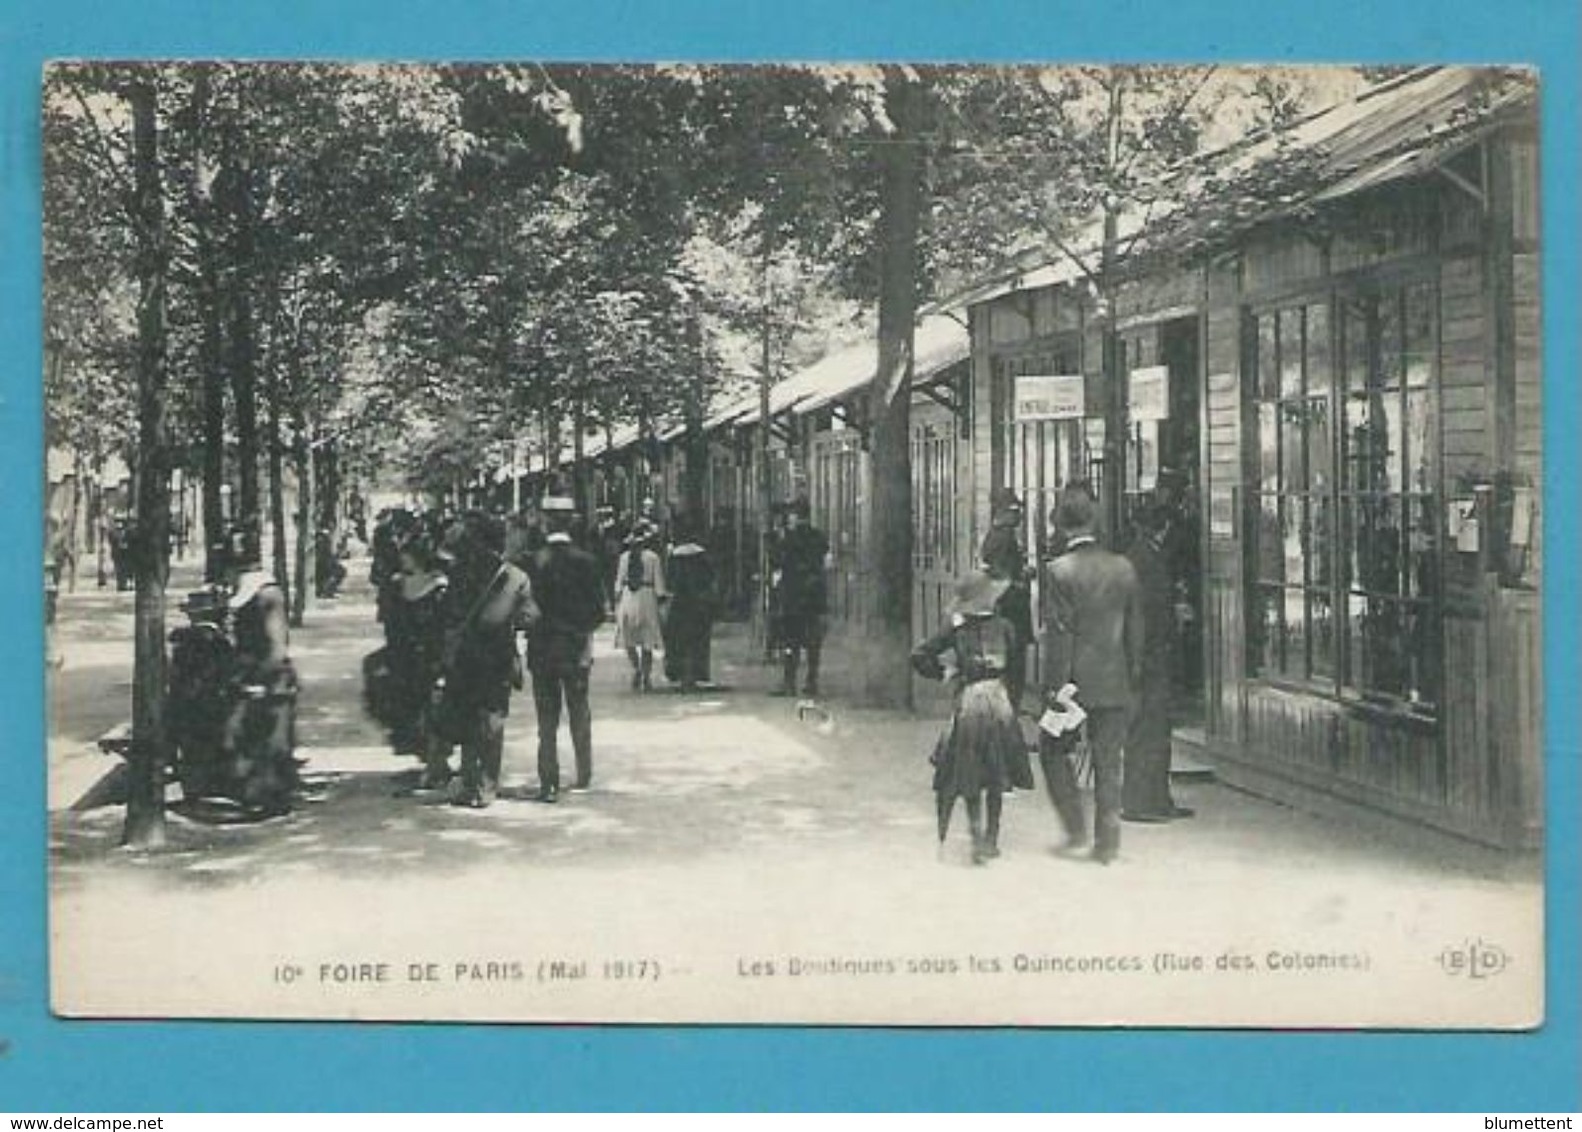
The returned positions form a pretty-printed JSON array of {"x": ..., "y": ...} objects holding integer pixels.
[
  {"x": 640, "y": 580},
  {"x": 982, "y": 752}
]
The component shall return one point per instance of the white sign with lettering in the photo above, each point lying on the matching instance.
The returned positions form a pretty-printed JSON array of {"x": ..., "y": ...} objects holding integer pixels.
[
  {"x": 1050, "y": 398},
  {"x": 1148, "y": 394}
]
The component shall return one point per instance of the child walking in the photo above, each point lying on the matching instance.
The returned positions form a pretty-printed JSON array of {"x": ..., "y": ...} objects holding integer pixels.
[{"x": 982, "y": 752}]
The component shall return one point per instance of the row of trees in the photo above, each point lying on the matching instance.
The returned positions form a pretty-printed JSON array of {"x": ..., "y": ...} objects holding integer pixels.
[{"x": 249, "y": 266}]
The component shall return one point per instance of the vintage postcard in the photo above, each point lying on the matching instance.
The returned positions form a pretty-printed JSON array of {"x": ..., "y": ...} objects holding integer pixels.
[{"x": 906, "y": 545}]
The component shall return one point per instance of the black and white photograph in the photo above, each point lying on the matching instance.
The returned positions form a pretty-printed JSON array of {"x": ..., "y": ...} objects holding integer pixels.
[{"x": 832, "y": 543}]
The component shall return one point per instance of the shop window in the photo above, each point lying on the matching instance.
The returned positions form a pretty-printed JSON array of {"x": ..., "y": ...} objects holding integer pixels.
[
  {"x": 933, "y": 498},
  {"x": 836, "y": 484},
  {"x": 1043, "y": 457},
  {"x": 1136, "y": 350},
  {"x": 1344, "y": 557}
]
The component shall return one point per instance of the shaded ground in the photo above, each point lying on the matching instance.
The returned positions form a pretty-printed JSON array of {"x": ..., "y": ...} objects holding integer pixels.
[{"x": 720, "y": 829}]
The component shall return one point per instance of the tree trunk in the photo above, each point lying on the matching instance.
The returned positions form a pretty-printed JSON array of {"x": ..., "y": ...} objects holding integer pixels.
[
  {"x": 694, "y": 488},
  {"x": 302, "y": 457},
  {"x": 277, "y": 489},
  {"x": 96, "y": 522},
  {"x": 244, "y": 348},
  {"x": 145, "y": 805},
  {"x": 765, "y": 486},
  {"x": 1114, "y": 485},
  {"x": 212, "y": 379},
  {"x": 551, "y": 450},
  {"x": 211, "y": 345},
  {"x": 328, "y": 491},
  {"x": 886, "y": 645},
  {"x": 579, "y": 469},
  {"x": 79, "y": 472}
]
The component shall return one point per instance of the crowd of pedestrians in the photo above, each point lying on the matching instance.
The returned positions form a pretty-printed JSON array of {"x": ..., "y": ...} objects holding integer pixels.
[{"x": 475, "y": 608}]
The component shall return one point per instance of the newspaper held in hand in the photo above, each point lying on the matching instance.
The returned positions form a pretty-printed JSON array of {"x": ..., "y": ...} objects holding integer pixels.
[{"x": 1065, "y": 715}]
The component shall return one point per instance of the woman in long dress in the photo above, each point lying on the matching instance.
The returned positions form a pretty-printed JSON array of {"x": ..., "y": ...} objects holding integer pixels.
[
  {"x": 982, "y": 752},
  {"x": 640, "y": 581},
  {"x": 690, "y": 618}
]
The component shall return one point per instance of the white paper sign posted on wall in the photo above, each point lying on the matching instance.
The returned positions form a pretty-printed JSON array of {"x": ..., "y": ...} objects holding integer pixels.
[
  {"x": 1058, "y": 397},
  {"x": 1148, "y": 394}
]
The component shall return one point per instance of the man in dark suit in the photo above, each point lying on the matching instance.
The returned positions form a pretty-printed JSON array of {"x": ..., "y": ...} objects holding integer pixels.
[
  {"x": 1004, "y": 557},
  {"x": 490, "y": 601},
  {"x": 570, "y": 599},
  {"x": 1146, "y": 796},
  {"x": 801, "y": 561},
  {"x": 1093, "y": 638}
]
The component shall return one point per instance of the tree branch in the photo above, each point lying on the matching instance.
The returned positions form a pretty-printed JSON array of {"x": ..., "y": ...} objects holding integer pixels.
[
  {"x": 126, "y": 195},
  {"x": 1174, "y": 113}
]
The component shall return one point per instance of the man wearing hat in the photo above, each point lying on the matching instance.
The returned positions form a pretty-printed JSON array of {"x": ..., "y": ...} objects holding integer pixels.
[
  {"x": 1093, "y": 639},
  {"x": 802, "y": 556},
  {"x": 560, "y": 646},
  {"x": 1004, "y": 557},
  {"x": 1146, "y": 792},
  {"x": 490, "y": 602}
]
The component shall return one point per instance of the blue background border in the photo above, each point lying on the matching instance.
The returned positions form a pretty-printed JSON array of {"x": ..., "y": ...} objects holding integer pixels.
[{"x": 61, "y": 1067}]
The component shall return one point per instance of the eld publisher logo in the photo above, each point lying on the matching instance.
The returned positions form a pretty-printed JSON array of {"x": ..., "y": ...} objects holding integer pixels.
[{"x": 1476, "y": 959}]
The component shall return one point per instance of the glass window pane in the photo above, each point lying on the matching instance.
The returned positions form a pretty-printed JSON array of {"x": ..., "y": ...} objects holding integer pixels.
[
  {"x": 1373, "y": 541},
  {"x": 1291, "y": 352},
  {"x": 1423, "y": 654},
  {"x": 1384, "y": 647},
  {"x": 1268, "y": 358},
  {"x": 1362, "y": 473},
  {"x": 1421, "y": 424},
  {"x": 1318, "y": 348},
  {"x": 1419, "y": 337},
  {"x": 1293, "y": 513},
  {"x": 1321, "y": 634},
  {"x": 1294, "y": 612},
  {"x": 1146, "y": 465},
  {"x": 1268, "y": 646},
  {"x": 1422, "y": 567},
  {"x": 1293, "y": 476},
  {"x": 1354, "y": 330},
  {"x": 1389, "y": 376},
  {"x": 1271, "y": 558},
  {"x": 1320, "y": 540},
  {"x": 1357, "y": 673},
  {"x": 1388, "y": 405},
  {"x": 1373, "y": 442},
  {"x": 1320, "y": 445},
  {"x": 1268, "y": 447}
]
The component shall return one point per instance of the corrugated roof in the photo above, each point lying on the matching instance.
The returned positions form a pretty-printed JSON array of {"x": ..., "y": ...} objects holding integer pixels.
[
  {"x": 939, "y": 341},
  {"x": 1399, "y": 129}
]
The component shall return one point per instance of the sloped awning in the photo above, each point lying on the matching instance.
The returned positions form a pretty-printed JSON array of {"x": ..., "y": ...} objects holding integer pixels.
[
  {"x": 940, "y": 341},
  {"x": 1400, "y": 129}
]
